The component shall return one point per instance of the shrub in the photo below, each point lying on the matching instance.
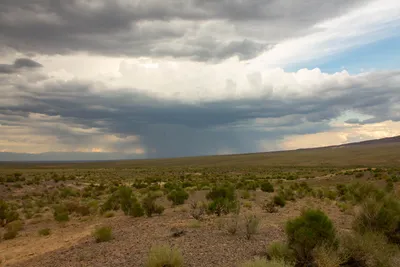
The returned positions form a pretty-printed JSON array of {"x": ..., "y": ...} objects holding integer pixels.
[
  {"x": 279, "y": 200},
  {"x": 103, "y": 234},
  {"x": 280, "y": 252},
  {"x": 112, "y": 203},
  {"x": 246, "y": 194},
  {"x": 125, "y": 199},
  {"x": 7, "y": 214},
  {"x": 136, "y": 210},
  {"x": 76, "y": 207},
  {"x": 252, "y": 224},
  {"x": 61, "y": 213},
  {"x": 383, "y": 217},
  {"x": 149, "y": 205},
  {"x": 44, "y": 232},
  {"x": 109, "y": 214},
  {"x": 360, "y": 192},
  {"x": 341, "y": 189},
  {"x": 14, "y": 226},
  {"x": 260, "y": 262},
  {"x": 232, "y": 225},
  {"x": 311, "y": 229},
  {"x": 326, "y": 256},
  {"x": 197, "y": 210},
  {"x": 10, "y": 235},
  {"x": 270, "y": 207},
  {"x": 222, "y": 206},
  {"x": 389, "y": 186},
  {"x": 161, "y": 256},
  {"x": 222, "y": 192},
  {"x": 267, "y": 187},
  {"x": 367, "y": 250},
  {"x": 178, "y": 196}
]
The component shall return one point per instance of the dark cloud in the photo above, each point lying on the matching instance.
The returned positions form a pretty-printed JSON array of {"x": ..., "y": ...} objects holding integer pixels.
[
  {"x": 20, "y": 63},
  {"x": 175, "y": 128},
  {"x": 353, "y": 121},
  {"x": 176, "y": 28}
]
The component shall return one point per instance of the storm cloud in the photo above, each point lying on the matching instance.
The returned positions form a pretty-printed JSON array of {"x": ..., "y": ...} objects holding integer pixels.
[
  {"x": 20, "y": 63},
  {"x": 195, "y": 29},
  {"x": 76, "y": 114}
]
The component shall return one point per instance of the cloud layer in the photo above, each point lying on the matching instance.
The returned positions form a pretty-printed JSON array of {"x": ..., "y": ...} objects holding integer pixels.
[
  {"x": 195, "y": 29},
  {"x": 79, "y": 115}
]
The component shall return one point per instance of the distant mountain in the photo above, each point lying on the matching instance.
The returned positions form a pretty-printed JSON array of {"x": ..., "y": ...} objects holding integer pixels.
[
  {"x": 385, "y": 151},
  {"x": 387, "y": 140}
]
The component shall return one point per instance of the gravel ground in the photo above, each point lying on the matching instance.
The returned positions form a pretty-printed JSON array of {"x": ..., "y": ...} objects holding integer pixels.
[{"x": 207, "y": 245}]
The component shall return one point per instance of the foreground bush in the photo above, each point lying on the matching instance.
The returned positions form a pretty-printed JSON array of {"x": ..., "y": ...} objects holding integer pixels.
[
  {"x": 367, "y": 250},
  {"x": 163, "y": 256},
  {"x": 380, "y": 216},
  {"x": 279, "y": 251},
  {"x": 326, "y": 256},
  {"x": 103, "y": 234},
  {"x": 313, "y": 228},
  {"x": 259, "y": 262}
]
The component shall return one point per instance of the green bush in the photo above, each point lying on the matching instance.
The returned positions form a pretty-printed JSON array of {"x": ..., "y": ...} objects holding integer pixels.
[
  {"x": 311, "y": 229},
  {"x": 222, "y": 192},
  {"x": 279, "y": 200},
  {"x": 382, "y": 216},
  {"x": 103, "y": 234},
  {"x": 112, "y": 203},
  {"x": 7, "y": 214},
  {"x": 267, "y": 187},
  {"x": 178, "y": 196},
  {"x": 136, "y": 210},
  {"x": 360, "y": 192},
  {"x": 280, "y": 252},
  {"x": 124, "y": 199},
  {"x": 367, "y": 250},
  {"x": 14, "y": 226},
  {"x": 150, "y": 207},
  {"x": 44, "y": 232},
  {"x": 252, "y": 224},
  {"x": 60, "y": 213},
  {"x": 162, "y": 256},
  {"x": 223, "y": 200},
  {"x": 222, "y": 206}
]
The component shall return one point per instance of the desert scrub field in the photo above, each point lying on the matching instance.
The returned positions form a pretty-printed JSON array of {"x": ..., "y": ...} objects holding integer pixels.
[{"x": 199, "y": 216}]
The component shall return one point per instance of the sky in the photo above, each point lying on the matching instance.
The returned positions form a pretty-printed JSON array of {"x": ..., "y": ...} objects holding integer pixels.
[{"x": 102, "y": 79}]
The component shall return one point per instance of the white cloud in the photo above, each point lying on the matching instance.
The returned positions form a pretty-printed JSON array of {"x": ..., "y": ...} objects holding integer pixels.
[{"x": 342, "y": 134}]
